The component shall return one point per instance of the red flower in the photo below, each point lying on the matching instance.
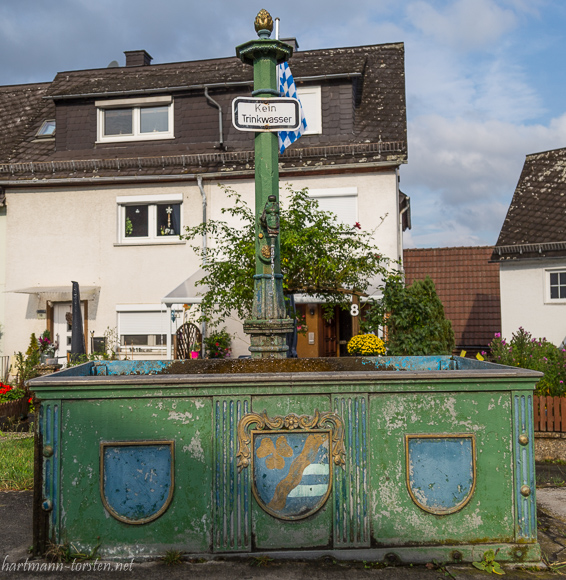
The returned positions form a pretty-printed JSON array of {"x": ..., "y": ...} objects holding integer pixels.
[
  {"x": 357, "y": 225},
  {"x": 217, "y": 344}
]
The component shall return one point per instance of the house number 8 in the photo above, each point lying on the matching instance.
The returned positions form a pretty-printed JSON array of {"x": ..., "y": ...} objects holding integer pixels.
[{"x": 354, "y": 310}]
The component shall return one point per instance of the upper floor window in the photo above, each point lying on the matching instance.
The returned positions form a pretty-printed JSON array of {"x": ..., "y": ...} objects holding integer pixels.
[
  {"x": 135, "y": 119},
  {"x": 149, "y": 218},
  {"x": 342, "y": 201},
  {"x": 310, "y": 98},
  {"x": 557, "y": 285}
]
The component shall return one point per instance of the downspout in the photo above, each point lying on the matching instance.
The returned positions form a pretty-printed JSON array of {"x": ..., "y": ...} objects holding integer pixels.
[
  {"x": 217, "y": 105},
  {"x": 204, "y": 247},
  {"x": 170, "y": 333},
  {"x": 400, "y": 227}
]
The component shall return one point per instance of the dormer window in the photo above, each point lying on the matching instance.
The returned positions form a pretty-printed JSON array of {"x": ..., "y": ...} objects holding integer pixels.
[
  {"x": 47, "y": 129},
  {"x": 140, "y": 119}
]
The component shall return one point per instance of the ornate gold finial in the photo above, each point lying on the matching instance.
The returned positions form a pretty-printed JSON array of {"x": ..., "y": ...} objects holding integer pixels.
[{"x": 263, "y": 21}]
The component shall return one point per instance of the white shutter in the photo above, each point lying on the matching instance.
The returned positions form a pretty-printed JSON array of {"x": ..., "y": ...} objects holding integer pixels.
[
  {"x": 311, "y": 103},
  {"x": 341, "y": 201},
  {"x": 143, "y": 323}
]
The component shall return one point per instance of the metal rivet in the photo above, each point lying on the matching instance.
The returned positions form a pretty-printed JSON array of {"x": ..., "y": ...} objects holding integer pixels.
[
  {"x": 47, "y": 451},
  {"x": 47, "y": 505},
  {"x": 525, "y": 490},
  {"x": 518, "y": 553},
  {"x": 456, "y": 556},
  {"x": 523, "y": 439}
]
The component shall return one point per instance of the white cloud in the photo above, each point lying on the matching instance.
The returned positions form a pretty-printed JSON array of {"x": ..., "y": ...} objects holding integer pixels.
[
  {"x": 464, "y": 24},
  {"x": 462, "y": 174},
  {"x": 475, "y": 76}
]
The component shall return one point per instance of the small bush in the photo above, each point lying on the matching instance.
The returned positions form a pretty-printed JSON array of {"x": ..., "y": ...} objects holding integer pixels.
[
  {"x": 218, "y": 344},
  {"x": 533, "y": 353},
  {"x": 366, "y": 345},
  {"x": 413, "y": 317}
]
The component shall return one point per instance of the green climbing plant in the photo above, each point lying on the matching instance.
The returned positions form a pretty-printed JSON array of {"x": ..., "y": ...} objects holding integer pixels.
[{"x": 320, "y": 256}]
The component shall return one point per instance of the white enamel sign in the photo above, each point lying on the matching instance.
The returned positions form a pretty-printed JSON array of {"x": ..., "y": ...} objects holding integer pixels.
[{"x": 277, "y": 114}]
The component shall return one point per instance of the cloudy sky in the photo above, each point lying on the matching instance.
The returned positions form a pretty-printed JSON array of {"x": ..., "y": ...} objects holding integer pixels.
[{"x": 485, "y": 78}]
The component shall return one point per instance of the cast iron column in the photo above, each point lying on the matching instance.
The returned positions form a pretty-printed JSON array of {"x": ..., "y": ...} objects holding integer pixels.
[{"x": 269, "y": 323}]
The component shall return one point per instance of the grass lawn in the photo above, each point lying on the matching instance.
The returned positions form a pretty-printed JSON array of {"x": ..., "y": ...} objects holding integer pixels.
[{"x": 16, "y": 463}]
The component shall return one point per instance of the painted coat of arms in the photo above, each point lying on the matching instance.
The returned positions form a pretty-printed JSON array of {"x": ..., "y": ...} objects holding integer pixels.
[
  {"x": 137, "y": 479},
  {"x": 441, "y": 471},
  {"x": 291, "y": 460}
]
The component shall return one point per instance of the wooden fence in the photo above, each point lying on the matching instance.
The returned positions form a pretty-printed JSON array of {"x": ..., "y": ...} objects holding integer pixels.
[
  {"x": 550, "y": 414},
  {"x": 15, "y": 408}
]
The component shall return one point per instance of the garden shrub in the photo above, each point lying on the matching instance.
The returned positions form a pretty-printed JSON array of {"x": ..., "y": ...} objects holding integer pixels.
[
  {"x": 537, "y": 354},
  {"x": 217, "y": 345},
  {"x": 413, "y": 317}
]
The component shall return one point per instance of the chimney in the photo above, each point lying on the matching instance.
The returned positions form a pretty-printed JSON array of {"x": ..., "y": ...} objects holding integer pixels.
[
  {"x": 292, "y": 42},
  {"x": 137, "y": 58}
]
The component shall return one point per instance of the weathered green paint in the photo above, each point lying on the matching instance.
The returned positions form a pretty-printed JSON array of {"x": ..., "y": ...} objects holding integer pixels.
[
  {"x": 524, "y": 472},
  {"x": 396, "y": 519},
  {"x": 369, "y": 512},
  {"x": 232, "y": 493},
  {"x": 50, "y": 432},
  {"x": 188, "y": 521},
  {"x": 351, "y": 501}
]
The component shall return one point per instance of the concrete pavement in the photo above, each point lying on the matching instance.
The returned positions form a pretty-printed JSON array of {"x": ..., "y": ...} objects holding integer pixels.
[{"x": 16, "y": 538}]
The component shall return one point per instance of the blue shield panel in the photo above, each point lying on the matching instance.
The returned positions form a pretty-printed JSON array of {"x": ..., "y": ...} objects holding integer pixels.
[
  {"x": 292, "y": 472},
  {"x": 136, "y": 479},
  {"x": 441, "y": 471}
]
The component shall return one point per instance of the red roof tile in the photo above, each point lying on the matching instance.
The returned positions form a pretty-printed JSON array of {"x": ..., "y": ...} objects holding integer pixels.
[{"x": 468, "y": 286}]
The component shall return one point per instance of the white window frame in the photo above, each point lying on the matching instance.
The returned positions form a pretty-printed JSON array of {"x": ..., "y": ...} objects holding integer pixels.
[
  {"x": 135, "y": 105},
  {"x": 152, "y": 201},
  {"x": 547, "y": 273},
  {"x": 349, "y": 194},
  {"x": 139, "y": 310},
  {"x": 312, "y": 108}
]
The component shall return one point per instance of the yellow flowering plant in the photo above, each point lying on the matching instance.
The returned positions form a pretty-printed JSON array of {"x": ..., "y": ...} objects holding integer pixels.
[{"x": 366, "y": 345}]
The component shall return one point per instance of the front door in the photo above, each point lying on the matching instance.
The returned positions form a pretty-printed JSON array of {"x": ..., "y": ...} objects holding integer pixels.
[
  {"x": 62, "y": 327},
  {"x": 330, "y": 337}
]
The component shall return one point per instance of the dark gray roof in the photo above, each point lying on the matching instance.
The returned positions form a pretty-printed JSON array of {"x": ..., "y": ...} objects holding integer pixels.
[
  {"x": 20, "y": 108},
  {"x": 535, "y": 225},
  {"x": 371, "y": 130}
]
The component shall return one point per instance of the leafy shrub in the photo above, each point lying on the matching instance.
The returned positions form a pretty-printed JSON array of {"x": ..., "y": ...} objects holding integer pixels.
[
  {"x": 413, "y": 316},
  {"x": 26, "y": 366},
  {"x": 537, "y": 354},
  {"x": 218, "y": 344},
  {"x": 366, "y": 345}
]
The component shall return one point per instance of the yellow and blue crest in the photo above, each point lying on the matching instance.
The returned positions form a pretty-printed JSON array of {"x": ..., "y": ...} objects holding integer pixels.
[{"x": 292, "y": 459}]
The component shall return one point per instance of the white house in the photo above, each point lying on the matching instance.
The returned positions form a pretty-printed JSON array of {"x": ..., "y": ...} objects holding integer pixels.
[
  {"x": 531, "y": 250},
  {"x": 115, "y": 162}
]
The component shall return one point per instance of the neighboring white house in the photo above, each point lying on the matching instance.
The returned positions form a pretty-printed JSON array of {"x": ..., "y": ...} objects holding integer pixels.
[
  {"x": 117, "y": 161},
  {"x": 531, "y": 250}
]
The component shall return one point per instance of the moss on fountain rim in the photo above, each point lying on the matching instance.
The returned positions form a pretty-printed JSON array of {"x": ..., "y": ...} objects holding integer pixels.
[{"x": 289, "y": 365}]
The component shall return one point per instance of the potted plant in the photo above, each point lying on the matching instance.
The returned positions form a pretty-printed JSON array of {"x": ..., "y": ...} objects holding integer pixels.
[
  {"x": 366, "y": 345},
  {"x": 218, "y": 344},
  {"x": 47, "y": 349},
  {"x": 195, "y": 350}
]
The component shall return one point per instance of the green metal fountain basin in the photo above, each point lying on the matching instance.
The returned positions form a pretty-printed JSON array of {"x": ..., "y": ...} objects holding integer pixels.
[{"x": 403, "y": 459}]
